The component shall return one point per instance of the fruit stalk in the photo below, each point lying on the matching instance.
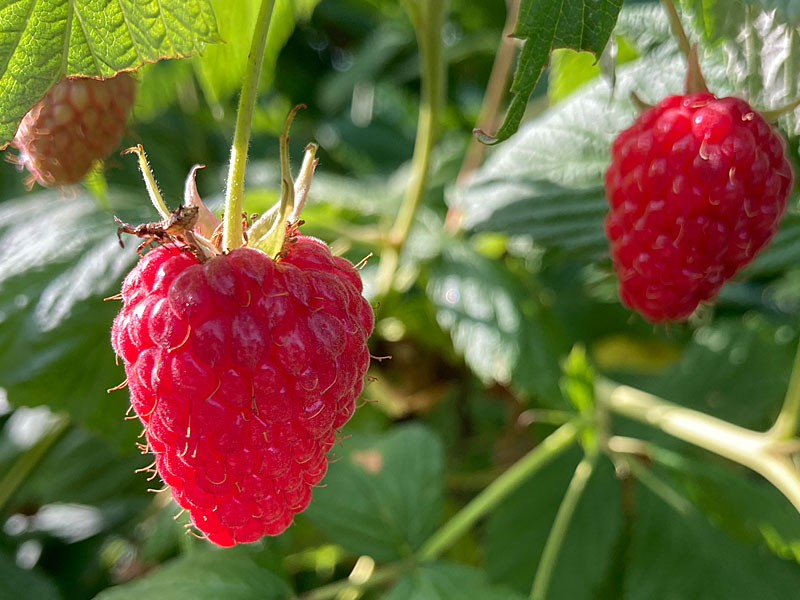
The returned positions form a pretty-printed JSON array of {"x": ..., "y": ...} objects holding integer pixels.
[
  {"x": 555, "y": 540},
  {"x": 497, "y": 491},
  {"x": 232, "y": 228},
  {"x": 757, "y": 451},
  {"x": 677, "y": 28}
]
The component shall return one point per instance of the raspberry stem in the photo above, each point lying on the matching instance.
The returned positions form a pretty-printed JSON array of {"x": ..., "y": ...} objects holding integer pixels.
[
  {"x": 427, "y": 19},
  {"x": 232, "y": 233},
  {"x": 786, "y": 424},
  {"x": 677, "y": 27},
  {"x": 547, "y": 563},
  {"x": 758, "y": 451},
  {"x": 497, "y": 491}
]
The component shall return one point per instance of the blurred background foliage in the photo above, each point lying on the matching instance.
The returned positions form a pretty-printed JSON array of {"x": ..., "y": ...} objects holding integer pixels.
[{"x": 502, "y": 275}]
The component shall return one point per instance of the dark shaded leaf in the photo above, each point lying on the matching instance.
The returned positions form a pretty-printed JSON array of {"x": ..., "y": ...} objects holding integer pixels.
[
  {"x": 683, "y": 556},
  {"x": 516, "y": 532},
  {"x": 737, "y": 370},
  {"x": 205, "y": 575},
  {"x": 747, "y": 508},
  {"x": 24, "y": 583},
  {"x": 447, "y": 581},
  {"x": 384, "y": 496}
]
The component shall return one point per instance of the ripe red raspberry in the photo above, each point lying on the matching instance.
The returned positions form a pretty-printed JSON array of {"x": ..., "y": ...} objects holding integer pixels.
[
  {"x": 242, "y": 369},
  {"x": 697, "y": 187},
  {"x": 79, "y": 120}
]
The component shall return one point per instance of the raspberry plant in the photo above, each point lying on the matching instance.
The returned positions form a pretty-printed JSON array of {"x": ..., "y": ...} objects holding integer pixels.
[{"x": 522, "y": 432}]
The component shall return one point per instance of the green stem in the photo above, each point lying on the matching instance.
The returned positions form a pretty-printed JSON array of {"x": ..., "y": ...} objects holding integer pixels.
[
  {"x": 428, "y": 20},
  {"x": 26, "y": 463},
  {"x": 378, "y": 577},
  {"x": 547, "y": 564},
  {"x": 232, "y": 229},
  {"x": 760, "y": 452},
  {"x": 789, "y": 417},
  {"x": 655, "y": 484},
  {"x": 677, "y": 27},
  {"x": 497, "y": 491},
  {"x": 752, "y": 77}
]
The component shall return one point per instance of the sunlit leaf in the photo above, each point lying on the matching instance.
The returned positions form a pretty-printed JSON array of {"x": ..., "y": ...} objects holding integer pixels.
[
  {"x": 547, "y": 24},
  {"x": 44, "y": 40},
  {"x": 60, "y": 258}
]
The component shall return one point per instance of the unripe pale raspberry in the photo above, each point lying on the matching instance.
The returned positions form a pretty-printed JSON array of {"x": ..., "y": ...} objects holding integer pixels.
[
  {"x": 696, "y": 187},
  {"x": 242, "y": 369},
  {"x": 79, "y": 120}
]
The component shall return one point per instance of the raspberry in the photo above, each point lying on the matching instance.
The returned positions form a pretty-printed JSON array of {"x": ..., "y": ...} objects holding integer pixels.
[
  {"x": 697, "y": 186},
  {"x": 241, "y": 370},
  {"x": 79, "y": 120}
]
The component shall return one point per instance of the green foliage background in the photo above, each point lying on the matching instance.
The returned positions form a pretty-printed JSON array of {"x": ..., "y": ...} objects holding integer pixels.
[{"x": 479, "y": 320}]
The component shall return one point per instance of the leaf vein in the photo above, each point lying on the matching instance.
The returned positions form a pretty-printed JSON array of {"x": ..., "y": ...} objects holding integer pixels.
[
  {"x": 19, "y": 38},
  {"x": 130, "y": 31}
]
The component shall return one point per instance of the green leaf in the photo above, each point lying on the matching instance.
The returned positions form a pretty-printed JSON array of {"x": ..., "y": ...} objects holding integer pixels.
[
  {"x": 547, "y": 182},
  {"x": 683, "y": 556},
  {"x": 447, "y": 581},
  {"x": 764, "y": 68},
  {"x": 783, "y": 252},
  {"x": 556, "y": 217},
  {"x": 84, "y": 469},
  {"x": 384, "y": 496},
  {"x": 568, "y": 71},
  {"x": 31, "y": 583},
  {"x": 735, "y": 369},
  {"x": 221, "y": 67},
  {"x": 749, "y": 510},
  {"x": 506, "y": 336},
  {"x": 548, "y": 24},
  {"x": 716, "y": 20},
  {"x": 60, "y": 259},
  {"x": 788, "y": 10},
  {"x": 42, "y": 41},
  {"x": 205, "y": 575},
  {"x": 369, "y": 62},
  {"x": 516, "y": 532}
]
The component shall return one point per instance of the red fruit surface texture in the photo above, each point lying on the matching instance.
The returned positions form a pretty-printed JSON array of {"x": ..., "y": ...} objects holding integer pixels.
[
  {"x": 79, "y": 120},
  {"x": 696, "y": 187},
  {"x": 241, "y": 370}
]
